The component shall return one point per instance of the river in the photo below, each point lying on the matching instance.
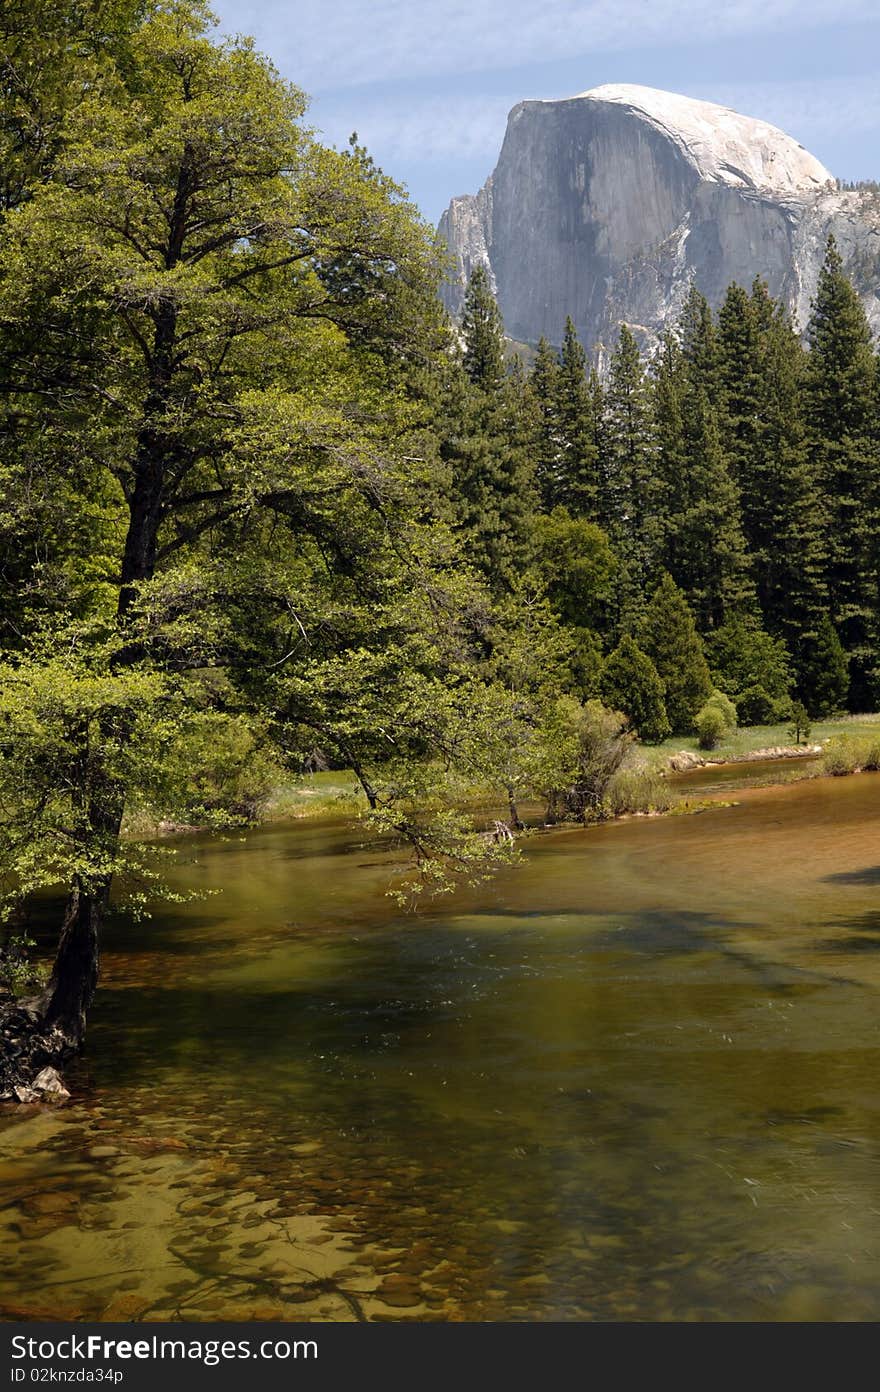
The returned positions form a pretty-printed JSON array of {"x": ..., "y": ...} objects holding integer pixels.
[{"x": 635, "y": 1077}]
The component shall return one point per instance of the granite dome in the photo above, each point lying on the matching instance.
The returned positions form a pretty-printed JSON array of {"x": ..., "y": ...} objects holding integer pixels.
[{"x": 607, "y": 206}]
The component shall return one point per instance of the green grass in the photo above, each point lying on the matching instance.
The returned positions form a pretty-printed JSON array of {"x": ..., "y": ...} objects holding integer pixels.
[
  {"x": 750, "y": 738},
  {"x": 316, "y": 795}
]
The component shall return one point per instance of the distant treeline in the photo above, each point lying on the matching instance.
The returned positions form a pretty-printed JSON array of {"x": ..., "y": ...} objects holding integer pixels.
[{"x": 736, "y": 469}]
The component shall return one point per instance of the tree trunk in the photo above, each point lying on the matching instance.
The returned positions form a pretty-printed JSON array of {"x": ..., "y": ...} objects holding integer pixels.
[
  {"x": 75, "y": 973},
  {"x": 40, "y": 1036}
]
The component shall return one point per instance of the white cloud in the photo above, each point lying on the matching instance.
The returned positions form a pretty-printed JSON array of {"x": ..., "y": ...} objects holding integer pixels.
[
  {"x": 428, "y": 130},
  {"x": 326, "y": 44}
]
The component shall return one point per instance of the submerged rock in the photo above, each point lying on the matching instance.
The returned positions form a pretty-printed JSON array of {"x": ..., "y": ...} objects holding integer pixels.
[{"x": 47, "y": 1086}]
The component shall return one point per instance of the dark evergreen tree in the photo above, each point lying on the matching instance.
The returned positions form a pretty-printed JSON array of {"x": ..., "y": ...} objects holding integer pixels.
[
  {"x": 668, "y": 634},
  {"x": 631, "y": 684},
  {"x": 703, "y": 545},
  {"x": 707, "y": 549},
  {"x": 824, "y": 671},
  {"x": 486, "y": 442},
  {"x": 544, "y": 391},
  {"x": 630, "y": 503},
  {"x": 840, "y": 398},
  {"x": 577, "y": 482},
  {"x": 482, "y": 330},
  {"x": 699, "y": 343}
]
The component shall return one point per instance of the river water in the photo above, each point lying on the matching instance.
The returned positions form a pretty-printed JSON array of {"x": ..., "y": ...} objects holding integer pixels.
[{"x": 636, "y": 1077}]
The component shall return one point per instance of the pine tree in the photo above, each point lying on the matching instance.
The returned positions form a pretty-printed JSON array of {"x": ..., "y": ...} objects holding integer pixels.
[
  {"x": 709, "y": 551},
  {"x": 482, "y": 330},
  {"x": 824, "y": 671},
  {"x": 486, "y": 442},
  {"x": 544, "y": 390},
  {"x": 631, "y": 684},
  {"x": 668, "y": 634},
  {"x": 699, "y": 343},
  {"x": 703, "y": 543},
  {"x": 577, "y": 487},
  {"x": 840, "y": 399},
  {"x": 764, "y": 438},
  {"x": 630, "y": 501}
]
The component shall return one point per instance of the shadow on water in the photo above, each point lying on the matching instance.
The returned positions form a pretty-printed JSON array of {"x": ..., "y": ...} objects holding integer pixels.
[
  {"x": 861, "y": 933},
  {"x": 870, "y": 875}
]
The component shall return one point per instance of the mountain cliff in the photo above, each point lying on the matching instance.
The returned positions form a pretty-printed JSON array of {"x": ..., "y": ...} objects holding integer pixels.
[{"x": 606, "y": 206}]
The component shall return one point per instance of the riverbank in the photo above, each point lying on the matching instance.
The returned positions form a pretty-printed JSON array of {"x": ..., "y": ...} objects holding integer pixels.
[
  {"x": 753, "y": 742},
  {"x": 843, "y": 745},
  {"x": 337, "y": 792}
]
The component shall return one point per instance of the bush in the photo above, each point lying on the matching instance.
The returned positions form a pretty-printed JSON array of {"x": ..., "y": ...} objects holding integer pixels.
[
  {"x": 710, "y": 726},
  {"x": 726, "y": 707}
]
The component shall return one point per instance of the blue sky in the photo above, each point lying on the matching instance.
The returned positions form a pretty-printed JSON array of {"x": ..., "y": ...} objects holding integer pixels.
[{"x": 427, "y": 86}]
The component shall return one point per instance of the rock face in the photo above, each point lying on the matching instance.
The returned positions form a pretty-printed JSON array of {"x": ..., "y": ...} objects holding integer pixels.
[{"x": 607, "y": 206}]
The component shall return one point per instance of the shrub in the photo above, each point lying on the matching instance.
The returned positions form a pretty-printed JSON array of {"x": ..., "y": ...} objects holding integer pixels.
[
  {"x": 726, "y": 707},
  {"x": 710, "y": 726}
]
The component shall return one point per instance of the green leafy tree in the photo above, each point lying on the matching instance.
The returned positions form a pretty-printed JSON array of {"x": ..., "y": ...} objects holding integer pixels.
[
  {"x": 211, "y": 332},
  {"x": 630, "y": 683},
  {"x": 52, "y": 56},
  {"x": 578, "y": 567}
]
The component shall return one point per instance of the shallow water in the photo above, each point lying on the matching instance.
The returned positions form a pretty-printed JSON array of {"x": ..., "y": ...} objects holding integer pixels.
[
  {"x": 634, "y": 1078},
  {"x": 745, "y": 773}
]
